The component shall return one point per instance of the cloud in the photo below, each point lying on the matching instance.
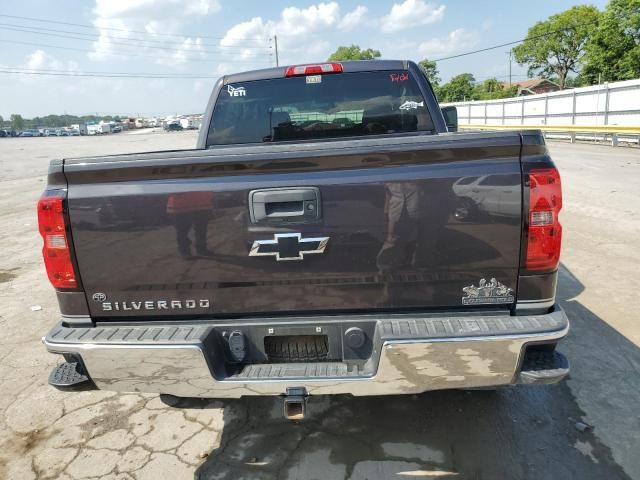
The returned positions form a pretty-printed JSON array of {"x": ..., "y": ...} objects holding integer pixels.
[
  {"x": 189, "y": 48},
  {"x": 411, "y": 13},
  {"x": 295, "y": 29},
  {"x": 247, "y": 34},
  {"x": 149, "y": 9},
  {"x": 297, "y": 21},
  {"x": 40, "y": 60},
  {"x": 120, "y": 21},
  {"x": 457, "y": 40},
  {"x": 354, "y": 18}
]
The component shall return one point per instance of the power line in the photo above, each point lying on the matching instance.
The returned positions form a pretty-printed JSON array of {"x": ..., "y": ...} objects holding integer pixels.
[
  {"x": 478, "y": 51},
  {"x": 128, "y": 54},
  {"x": 84, "y": 25},
  {"x": 128, "y": 43},
  {"x": 105, "y": 73},
  {"x": 129, "y": 39},
  {"x": 61, "y": 73},
  {"x": 518, "y": 75},
  {"x": 472, "y": 52}
]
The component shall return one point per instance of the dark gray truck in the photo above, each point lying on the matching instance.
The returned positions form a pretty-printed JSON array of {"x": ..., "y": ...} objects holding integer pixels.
[{"x": 330, "y": 234}]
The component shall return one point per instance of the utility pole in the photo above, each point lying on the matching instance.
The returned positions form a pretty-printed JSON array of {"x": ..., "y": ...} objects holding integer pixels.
[
  {"x": 510, "y": 54},
  {"x": 275, "y": 43}
]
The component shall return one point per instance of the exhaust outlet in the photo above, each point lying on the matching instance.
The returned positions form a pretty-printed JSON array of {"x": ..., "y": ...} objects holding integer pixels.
[{"x": 295, "y": 403}]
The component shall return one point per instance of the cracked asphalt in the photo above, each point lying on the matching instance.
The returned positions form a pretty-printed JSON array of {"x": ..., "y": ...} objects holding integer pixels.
[{"x": 515, "y": 433}]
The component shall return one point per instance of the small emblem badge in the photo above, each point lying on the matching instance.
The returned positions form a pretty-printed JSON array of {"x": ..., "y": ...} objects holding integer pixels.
[
  {"x": 411, "y": 105},
  {"x": 288, "y": 246},
  {"x": 487, "y": 293},
  {"x": 99, "y": 297}
]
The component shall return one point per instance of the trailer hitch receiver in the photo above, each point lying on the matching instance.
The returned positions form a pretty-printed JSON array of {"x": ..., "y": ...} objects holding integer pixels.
[{"x": 295, "y": 401}]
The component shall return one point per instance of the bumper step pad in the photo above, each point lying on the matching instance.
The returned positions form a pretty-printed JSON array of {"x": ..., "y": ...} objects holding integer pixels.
[
  {"x": 543, "y": 368},
  {"x": 68, "y": 377},
  {"x": 295, "y": 370}
]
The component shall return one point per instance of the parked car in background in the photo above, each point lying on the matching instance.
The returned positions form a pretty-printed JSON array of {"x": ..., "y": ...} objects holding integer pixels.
[
  {"x": 173, "y": 127},
  {"x": 3, "y": 133},
  {"x": 74, "y": 132},
  {"x": 116, "y": 129},
  {"x": 51, "y": 132},
  {"x": 27, "y": 133},
  {"x": 186, "y": 123},
  {"x": 496, "y": 194},
  {"x": 93, "y": 130},
  {"x": 63, "y": 133}
]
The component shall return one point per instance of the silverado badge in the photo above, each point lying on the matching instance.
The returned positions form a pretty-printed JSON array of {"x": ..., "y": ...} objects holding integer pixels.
[
  {"x": 288, "y": 246},
  {"x": 487, "y": 293}
]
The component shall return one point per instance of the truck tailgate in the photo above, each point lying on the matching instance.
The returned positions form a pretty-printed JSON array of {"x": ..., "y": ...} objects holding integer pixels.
[{"x": 417, "y": 222}]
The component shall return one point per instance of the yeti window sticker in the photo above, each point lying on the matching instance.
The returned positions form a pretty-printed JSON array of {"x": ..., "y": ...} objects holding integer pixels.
[{"x": 236, "y": 92}]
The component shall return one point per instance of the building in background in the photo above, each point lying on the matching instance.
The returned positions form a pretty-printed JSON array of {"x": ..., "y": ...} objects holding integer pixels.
[{"x": 533, "y": 86}]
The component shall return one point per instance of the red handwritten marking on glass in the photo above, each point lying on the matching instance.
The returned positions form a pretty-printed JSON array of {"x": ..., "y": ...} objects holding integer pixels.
[{"x": 399, "y": 77}]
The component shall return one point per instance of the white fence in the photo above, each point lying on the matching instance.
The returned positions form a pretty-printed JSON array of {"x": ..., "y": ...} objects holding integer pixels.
[{"x": 608, "y": 104}]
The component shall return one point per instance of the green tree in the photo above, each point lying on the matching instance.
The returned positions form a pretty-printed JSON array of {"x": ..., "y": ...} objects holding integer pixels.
[
  {"x": 459, "y": 88},
  {"x": 354, "y": 52},
  {"x": 571, "y": 82},
  {"x": 491, "y": 85},
  {"x": 430, "y": 69},
  {"x": 613, "y": 52},
  {"x": 492, "y": 89},
  {"x": 556, "y": 46},
  {"x": 17, "y": 122}
]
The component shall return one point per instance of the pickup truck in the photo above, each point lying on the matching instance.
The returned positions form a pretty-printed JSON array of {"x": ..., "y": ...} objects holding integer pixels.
[{"x": 332, "y": 233}]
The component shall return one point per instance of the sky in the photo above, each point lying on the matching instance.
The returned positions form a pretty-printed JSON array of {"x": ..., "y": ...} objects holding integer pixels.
[{"x": 193, "y": 42}]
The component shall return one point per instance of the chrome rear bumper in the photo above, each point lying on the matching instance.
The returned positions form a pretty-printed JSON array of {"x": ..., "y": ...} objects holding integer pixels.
[{"x": 411, "y": 354}]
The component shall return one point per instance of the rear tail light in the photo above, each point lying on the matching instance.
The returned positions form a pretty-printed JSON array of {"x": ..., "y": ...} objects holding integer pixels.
[
  {"x": 313, "y": 69},
  {"x": 545, "y": 231},
  {"x": 56, "y": 252}
]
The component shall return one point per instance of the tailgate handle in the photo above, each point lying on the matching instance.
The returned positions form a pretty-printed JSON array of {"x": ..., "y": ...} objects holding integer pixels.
[{"x": 284, "y": 204}]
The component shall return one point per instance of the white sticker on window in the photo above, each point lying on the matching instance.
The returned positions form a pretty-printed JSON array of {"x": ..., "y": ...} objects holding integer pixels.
[
  {"x": 314, "y": 78},
  {"x": 236, "y": 92},
  {"x": 411, "y": 105}
]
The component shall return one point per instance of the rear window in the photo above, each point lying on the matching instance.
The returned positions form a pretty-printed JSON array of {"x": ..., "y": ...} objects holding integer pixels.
[{"x": 319, "y": 106}]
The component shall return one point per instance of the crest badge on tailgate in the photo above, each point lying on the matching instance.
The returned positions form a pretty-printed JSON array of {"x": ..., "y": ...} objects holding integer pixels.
[{"x": 487, "y": 293}]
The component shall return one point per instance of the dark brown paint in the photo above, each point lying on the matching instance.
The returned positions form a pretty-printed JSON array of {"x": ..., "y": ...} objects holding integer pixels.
[{"x": 398, "y": 239}]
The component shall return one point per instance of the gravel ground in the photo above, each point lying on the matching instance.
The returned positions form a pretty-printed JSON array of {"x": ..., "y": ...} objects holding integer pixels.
[{"x": 587, "y": 427}]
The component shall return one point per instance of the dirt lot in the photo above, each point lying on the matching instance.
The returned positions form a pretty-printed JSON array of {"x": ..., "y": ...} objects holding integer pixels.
[{"x": 519, "y": 433}]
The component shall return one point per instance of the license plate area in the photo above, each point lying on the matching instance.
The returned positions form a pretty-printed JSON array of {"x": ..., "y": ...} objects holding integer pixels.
[
  {"x": 283, "y": 343},
  {"x": 297, "y": 348}
]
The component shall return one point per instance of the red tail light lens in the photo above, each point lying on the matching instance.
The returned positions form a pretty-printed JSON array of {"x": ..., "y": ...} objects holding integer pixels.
[
  {"x": 56, "y": 253},
  {"x": 313, "y": 69},
  {"x": 545, "y": 231}
]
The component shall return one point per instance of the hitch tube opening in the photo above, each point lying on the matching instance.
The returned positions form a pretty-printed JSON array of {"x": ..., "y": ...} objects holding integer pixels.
[{"x": 295, "y": 404}]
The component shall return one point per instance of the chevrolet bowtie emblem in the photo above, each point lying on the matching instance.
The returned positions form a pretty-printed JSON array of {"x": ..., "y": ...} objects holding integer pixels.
[{"x": 288, "y": 246}]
